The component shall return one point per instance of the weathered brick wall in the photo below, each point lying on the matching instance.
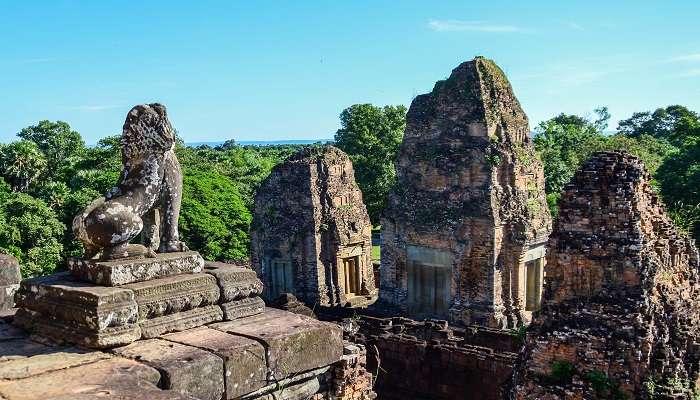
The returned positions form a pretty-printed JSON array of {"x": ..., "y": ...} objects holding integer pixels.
[
  {"x": 469, "y": 185},
  {"x": 621, "y": 316},
  {"x": 430, "y": 360},
  {"x": 310, "y": 211}
]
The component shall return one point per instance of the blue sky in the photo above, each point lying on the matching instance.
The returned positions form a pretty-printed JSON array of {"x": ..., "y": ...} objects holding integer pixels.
[{"x": 270, "y": 70}]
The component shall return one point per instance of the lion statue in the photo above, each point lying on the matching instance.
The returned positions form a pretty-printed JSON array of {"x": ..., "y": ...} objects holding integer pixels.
[{"x": 147, "y": 196}]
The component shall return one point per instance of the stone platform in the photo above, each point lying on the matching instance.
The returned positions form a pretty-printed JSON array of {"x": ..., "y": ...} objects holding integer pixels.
[
  {"x": 121, "y": 272},
  {"x": 67, "y": 308},
  {"x": 276, "y": 355}
]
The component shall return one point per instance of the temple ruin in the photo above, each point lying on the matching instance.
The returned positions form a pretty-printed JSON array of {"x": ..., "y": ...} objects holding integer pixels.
[
  {"x": 621, "y": 315},
  {"x": 156, "y": 321},
  {"x": 311, "y": 234},
  {"x": 465, "y": 228}
]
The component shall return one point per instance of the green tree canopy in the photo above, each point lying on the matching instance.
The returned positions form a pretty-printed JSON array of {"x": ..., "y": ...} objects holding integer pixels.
[
  {"x": 371, "y": 136},
  {"x": 21, "y": 164},
  {"x": 214, "y": 219},
  {"x": 30, "y": 231},
  {"x": 673, "y": 123},
  {"x": 57, "y": 141}
]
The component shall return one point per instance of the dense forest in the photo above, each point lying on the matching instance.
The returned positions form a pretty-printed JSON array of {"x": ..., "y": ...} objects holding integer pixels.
[{"x": 48, "y": 175}]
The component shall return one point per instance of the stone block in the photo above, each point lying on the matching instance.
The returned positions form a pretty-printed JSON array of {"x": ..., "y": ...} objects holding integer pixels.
[
  {"x": 235, "y": 282},
  {"x": 21, "y": 348},
  {"x": 294, "y": 343},
  {"x": 173, "y": 294},
  {"x": 7, "y": 296},
  {"x": 9, "y": 270},
  {"x": 180, "y": 321},
  {"x": 115, "y": 378},
  {"x": 184, "y": 369},
  {"x": 52, "y": 359},
  {"x": 62, "y": 298},
  {"x": 243, "y": 308},
  {"x": 60, "y": 331},
  {"x": 123, "y": 271},
  {"x": 244, "y": 358}
]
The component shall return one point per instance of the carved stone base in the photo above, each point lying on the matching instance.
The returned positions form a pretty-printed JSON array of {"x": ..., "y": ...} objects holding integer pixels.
[
  {"x": 180, "y": 321},
  {"x": 124, "y": 271},
  {"x": 64, "y": 298},
  {"x": 243, "y": 308},
  {"x": 235, "y": 282},
  {"x": 62, "y": 332},
  {"x": 173, "y": 294}
]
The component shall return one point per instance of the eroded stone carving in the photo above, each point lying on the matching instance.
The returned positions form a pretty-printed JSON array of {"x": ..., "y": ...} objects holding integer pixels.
[
  {"x": 464, "y": 229},
  {"x": 149, "y": 192}
]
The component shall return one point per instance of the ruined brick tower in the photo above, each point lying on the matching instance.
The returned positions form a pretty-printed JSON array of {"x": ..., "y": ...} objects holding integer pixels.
[
  {"x": 311, "y": 233},
  {"x": 464, "y": 231},
  {"x": 621, "y": 315}
]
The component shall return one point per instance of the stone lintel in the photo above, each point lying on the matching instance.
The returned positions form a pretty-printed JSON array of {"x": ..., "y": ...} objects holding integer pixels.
[
  {"x": 62, "y": 298},
  {"x": 235, "y": 282},
  {"x": 184, "y": 369},
  {"x": 180, "y": 321},
  {"x": 123, "y": 271},
  {"x": 173, "y": 294},
  {"x": 60, "y": 331},
  {"x": 243, "y": 308},
  {"x": 244, "y": 358},
  {"x": 116, "y": 378},
  {"x": 294, "y": 343}
]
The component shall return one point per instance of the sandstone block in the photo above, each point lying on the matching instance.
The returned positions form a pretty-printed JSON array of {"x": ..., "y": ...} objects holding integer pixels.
[
  {"x": 123, "y": 271},
  {"x": 9, "y": 270},
  {"x": 21, "y": 348},
  {"x": 173, "y": 294},
  {"x": 294, "y": 343},
  {"x": 52, "y": 360},
  {"x": 115, "y": 378},
  {"x": 244, "y": 358},
  {"x": 235, "y": 282},
  {"x": 62, "y": 298},
  {"x": 184, "y": 369},
  {"x": 61, "y": 331},
  {"x": 243, "y": 308},
  {"x": 180, "y": 321}
]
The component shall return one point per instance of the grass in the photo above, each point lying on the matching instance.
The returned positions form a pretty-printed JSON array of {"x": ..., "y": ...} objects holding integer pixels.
[{"x": 376, "y": 253}]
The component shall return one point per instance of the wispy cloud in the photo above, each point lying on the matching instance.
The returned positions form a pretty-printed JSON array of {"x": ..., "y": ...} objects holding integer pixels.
[
  {"x": 690, "y": 73},
  {"x": 573, "y": 25},
  {"x": 452, "y": 25},
  {"x": 686, "y": 57},
  {"x": 94, "y": 108}
]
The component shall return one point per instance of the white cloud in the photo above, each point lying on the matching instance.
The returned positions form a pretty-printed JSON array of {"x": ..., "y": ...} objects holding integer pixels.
[
  {"x": 94, "y": 108},
  {"x": 470, "y": 26},
  {"x": 573, "y": 25},
  {"x": 686, "y": 57},
  {"x": 690, "y": 73}
]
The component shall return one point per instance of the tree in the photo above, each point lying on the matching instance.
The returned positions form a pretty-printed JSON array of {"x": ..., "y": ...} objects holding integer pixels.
[
  {"x": 21, "y": 163},
  {"x": 60, "y": 144},
  {"x": 372, "y": 136},
  {"x": 214, "y": 219},
  {"x": 679, "y": 177},
  {"x": 673, "y": 123},
  {"x": 563, "y": 143},
  {"x": 30, "y": 231}
]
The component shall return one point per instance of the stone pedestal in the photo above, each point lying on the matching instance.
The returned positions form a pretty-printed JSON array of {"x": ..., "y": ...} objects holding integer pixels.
[
  {"x": 121, "y": 272},
  {"x": 103, "y": 304}
]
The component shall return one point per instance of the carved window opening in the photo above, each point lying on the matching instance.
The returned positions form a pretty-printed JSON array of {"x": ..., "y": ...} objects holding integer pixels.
[
  {"x": 533, "y": 288},
  {"x": 351, "y": 270},
  {"x": 282, "y": 277},
  {"x": 429, "y": 281}
]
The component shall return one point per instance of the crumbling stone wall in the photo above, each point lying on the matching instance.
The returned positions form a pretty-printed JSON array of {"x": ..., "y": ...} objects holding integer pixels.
[
  {"x": 621, "y": 316},
  {"x": 469, "y": 210},
  {"x": 309, "y": 220},
  {"x": 429, "y": 360}
]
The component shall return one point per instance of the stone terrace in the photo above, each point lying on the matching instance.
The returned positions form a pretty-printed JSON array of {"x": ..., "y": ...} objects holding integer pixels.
[{"x": 276, "y": 355}]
